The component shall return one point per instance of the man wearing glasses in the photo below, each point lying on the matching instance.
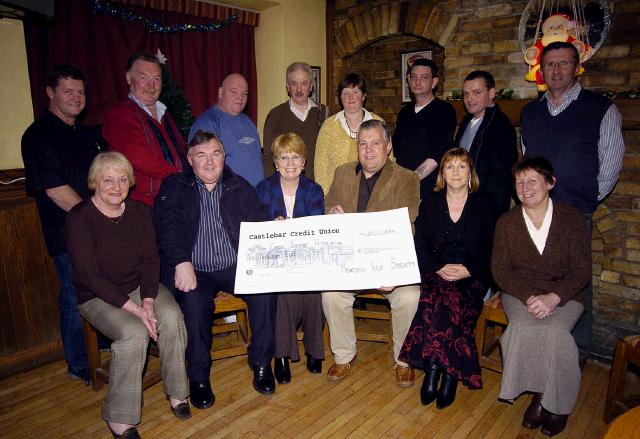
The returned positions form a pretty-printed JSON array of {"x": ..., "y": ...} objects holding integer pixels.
[{"x": 580, "y": 133}]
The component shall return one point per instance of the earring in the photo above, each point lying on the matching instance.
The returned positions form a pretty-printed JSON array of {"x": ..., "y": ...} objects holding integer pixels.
[{"x": 469, "y": 183}]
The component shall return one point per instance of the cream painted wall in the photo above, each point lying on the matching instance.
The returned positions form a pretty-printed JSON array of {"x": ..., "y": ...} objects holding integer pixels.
[
  {"x": 16, "y": 109},
  {"x": 292, "y": 31}
]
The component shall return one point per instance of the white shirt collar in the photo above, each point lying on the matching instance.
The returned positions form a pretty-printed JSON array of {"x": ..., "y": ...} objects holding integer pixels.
[
  {"x": 539, "y": 236},
  {"x": 160, "y": 107},
  {"x": 343, "y": 121},
  {"x": 302, "y": 115}
]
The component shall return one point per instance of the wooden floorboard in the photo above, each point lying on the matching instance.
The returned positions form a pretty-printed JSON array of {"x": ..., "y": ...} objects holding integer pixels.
[{"x": 45, "y": 403}]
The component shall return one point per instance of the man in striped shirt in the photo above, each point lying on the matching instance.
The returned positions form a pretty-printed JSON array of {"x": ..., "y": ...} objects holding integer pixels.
[
  {"x": 197, "y": 217},
  {"x": 580, "y": 133}
]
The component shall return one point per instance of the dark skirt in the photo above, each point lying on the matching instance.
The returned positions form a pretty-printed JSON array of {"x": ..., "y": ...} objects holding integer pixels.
[{"x": 444, "y": 326}]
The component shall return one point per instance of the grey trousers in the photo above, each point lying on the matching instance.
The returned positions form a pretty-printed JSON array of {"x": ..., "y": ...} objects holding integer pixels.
[
  {"x": 129, "y": 352},
  {"x": 541, "y": 355}
]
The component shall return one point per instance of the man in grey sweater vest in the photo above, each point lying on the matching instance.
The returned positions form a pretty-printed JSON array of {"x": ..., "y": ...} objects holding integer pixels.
[{"x": 579, "y": 132}]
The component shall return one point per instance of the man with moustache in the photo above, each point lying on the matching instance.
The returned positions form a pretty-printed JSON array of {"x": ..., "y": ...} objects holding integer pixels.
[
  {"x": 424, "y": 128},
  {"x": 299, "y": 115},
  {"x": 141, "y": 128},
  {"x": 489, "y": 136},
  {"x": 579, "y": 132},
  {"x": 236, "y": 130},
  {"x": 197, "y": 218},
  {"x": 57, "y": 152}
]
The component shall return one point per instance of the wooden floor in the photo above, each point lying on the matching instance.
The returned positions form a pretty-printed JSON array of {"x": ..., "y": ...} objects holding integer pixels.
[{"x": 44, "y": 403}]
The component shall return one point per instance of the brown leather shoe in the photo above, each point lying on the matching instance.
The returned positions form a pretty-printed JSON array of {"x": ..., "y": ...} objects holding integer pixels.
[
  {"x": 553, "y": 424},
  {"x": 534, "y": 416},
  {"x": 338, "y": 371},
  {"x": 405, "y": 376}
]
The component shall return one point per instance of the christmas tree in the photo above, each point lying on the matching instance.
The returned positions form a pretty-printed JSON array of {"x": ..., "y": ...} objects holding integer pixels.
[{"x": 173, "y": 97}]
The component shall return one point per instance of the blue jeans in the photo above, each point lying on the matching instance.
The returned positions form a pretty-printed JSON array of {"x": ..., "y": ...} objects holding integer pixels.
[{"x": 70, "y": 323}]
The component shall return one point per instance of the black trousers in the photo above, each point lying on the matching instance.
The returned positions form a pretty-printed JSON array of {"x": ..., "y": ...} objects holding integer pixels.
[{"x": 197, "y": 307}]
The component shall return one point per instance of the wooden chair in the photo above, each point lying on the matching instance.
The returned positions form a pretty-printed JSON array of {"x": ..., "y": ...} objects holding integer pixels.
[
  {"x": 325, "y": 335},
  {"x": 226, "y": 304},
  {"x": 627, "y": 351},
  {"x": 99, "y": 370},
  {"x": 489, "y": 328},
  {"x": 376, "y": 315}
]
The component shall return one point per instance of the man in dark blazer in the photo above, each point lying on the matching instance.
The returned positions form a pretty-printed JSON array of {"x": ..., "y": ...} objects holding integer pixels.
[{"x": 489, "y": 136}]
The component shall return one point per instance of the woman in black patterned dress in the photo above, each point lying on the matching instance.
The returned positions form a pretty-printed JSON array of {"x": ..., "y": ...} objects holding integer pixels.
[{"x": 454, "y": 235}]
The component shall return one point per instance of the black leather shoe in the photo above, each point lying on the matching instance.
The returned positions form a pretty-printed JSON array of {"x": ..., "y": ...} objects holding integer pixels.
[
  {"x": 429, "y": 388},
  {"x": 313, "y": 364},
  {"x": 447, "y": 391},
  {"x": 281, "y": 370},
  {"x": 129, "y": 433},
  {"x": 534, "y": 415},
  {"x": 180, "y": 411},
  {"x": 201, "y": 395},
  {"x": 263, "y": 380},
  {"x": 553, "y": 424}
]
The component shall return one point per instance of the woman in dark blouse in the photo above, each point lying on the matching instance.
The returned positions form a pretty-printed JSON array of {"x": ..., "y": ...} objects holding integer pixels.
[
  {"x": 112, "y": 246},
  {"x": 454, "y": 232}
]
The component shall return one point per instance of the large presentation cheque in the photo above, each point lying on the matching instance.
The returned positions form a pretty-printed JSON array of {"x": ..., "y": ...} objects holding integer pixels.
[{"x": 351, "y": 251}]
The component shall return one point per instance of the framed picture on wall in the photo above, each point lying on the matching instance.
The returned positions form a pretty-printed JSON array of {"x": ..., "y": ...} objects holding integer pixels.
[
  {"x": 315, "y": 94},
  {"x": 407, "y": 60}
]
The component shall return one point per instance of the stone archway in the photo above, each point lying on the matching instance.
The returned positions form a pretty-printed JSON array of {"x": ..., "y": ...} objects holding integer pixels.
[
  {"x": 424, "y": 19},
  {"x": 370, "y": 40}
]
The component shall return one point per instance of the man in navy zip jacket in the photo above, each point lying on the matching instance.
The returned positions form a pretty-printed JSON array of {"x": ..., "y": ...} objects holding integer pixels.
[{"x": 197, "y": 217}]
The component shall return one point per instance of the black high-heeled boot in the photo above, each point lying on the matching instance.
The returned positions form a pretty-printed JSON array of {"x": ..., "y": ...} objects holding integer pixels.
[
  {"x": 447, "y": 391},
  {"x": 429, "y": 388}
]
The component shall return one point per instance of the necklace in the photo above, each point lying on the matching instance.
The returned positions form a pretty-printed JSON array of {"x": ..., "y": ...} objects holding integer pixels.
[
  {"x": 112, "y": 219},
  {"x": 116, "y": 219},
  {"x": 353, "y": 134}
]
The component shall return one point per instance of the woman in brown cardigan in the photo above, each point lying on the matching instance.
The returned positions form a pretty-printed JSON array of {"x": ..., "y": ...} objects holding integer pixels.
[{"x": 542, "y": 262}]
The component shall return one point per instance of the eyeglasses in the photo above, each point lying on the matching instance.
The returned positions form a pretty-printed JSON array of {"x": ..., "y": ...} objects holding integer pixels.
[
  {"x": 564, "y": 64},
  {"x": 294, "y": 158}
]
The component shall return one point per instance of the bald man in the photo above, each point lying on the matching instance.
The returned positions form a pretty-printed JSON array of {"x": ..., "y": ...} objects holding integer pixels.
[{"x": 236, "y": 130}]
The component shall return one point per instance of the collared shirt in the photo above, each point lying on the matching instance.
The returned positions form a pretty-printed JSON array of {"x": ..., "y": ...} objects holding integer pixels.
[
  {"x": 366, "y": 188},
  {"x": 343, "y": 122},
  {"x": 160, "y": 107},
  {"x": 470, "y": 133},
  {"x": 302, "y": 115},
  {"x": 610, "y": 143},
  {"x": 212, "y": 250},
  {"x": 539, "y": 236}
]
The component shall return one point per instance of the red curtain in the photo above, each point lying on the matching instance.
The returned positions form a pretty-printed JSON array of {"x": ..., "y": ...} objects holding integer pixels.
[{"x": 100, "y": 44}]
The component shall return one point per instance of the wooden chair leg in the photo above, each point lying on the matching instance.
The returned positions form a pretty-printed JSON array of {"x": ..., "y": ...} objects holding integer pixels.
[
  {"x": 616, "y": 380},
  {"x": 243, "y": 325},
  {"x": 481, "y": 328},
  {"x": 93, "y": 353},
  {"x": 325, "y": 336},
  {"x": 390, "y": 334}
]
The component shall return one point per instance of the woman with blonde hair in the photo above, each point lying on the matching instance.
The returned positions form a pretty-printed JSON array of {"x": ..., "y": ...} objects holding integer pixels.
[
  {"x": 116, "y": 269},
  {"x": 288, "y": 194}
]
